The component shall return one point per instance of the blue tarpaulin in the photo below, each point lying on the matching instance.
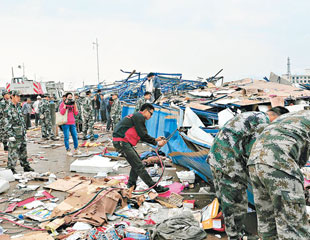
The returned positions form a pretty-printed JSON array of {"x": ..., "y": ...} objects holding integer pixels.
[{"x": 163, "y": 123}]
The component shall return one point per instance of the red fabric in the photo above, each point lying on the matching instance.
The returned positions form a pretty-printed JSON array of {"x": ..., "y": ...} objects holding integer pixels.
[
  {"x": 71, "y": 113},
  {"x": 131, "y": 135}
]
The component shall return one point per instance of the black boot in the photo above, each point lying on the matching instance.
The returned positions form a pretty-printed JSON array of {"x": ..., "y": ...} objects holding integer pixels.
[
  {"x": 85, "y": 138},
  {"x": 5, "y": 146},
  {"x": 28, "y": 169},
  {"x": 13, "y": 170},
  {"x": 160, "y": 189}
]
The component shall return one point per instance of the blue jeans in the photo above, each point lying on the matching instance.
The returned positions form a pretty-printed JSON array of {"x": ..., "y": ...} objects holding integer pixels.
[{"x": 72, "y": 129}]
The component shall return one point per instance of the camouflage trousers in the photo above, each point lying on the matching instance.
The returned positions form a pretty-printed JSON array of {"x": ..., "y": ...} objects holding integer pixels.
[
  {"x": 78, "y": 123},
  {"x": 231, "y": 192},
  {"x": 3, "y": 135},
  {"x": 88, "y": 126},
  {"x": 17, "y": 151},
  {"x": 46, "y": 128},
  {"x": 4, "y": 138},
  {"x": 280, "y": 204}
]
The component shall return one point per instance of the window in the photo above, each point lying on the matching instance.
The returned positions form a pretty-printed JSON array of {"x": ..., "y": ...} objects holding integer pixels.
[{"x": 297, "y": 77}]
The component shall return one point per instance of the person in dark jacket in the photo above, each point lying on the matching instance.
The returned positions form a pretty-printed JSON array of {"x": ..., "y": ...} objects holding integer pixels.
[
  {"x": 103, "y": 109},
  {"x": 127, "y": 134},
  {"x": 108, "y": 113}
]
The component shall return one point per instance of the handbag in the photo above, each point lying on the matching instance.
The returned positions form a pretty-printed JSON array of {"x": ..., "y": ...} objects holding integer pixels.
[{"x": 61, "y": 119}]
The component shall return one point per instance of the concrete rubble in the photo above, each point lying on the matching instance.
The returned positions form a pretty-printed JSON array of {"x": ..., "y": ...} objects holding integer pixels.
[
  {"x": 88, "y": 199},
  {"x": 85, "y": 196}
]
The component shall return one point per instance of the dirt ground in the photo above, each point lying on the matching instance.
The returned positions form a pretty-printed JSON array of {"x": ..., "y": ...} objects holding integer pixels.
[{"x": 56, "y": 161}]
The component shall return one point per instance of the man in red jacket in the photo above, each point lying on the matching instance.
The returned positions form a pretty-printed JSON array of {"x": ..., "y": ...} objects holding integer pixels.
[{"x": 127, "y": 134}]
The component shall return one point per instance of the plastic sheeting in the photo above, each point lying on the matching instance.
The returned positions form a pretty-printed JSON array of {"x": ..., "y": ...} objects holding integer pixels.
[
  {"x": 224, "y": 116},
  {"x": 191, "y": 119},
  {"x": 163, "y": 123},
  {"x": 200, "y": 135}
]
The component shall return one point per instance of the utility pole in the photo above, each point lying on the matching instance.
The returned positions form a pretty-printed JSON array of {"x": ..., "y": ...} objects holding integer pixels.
[
  {"x": 97, "y": 46},
  {"x": 288, "y": 69},
  {"x": 23, "y": 71}
]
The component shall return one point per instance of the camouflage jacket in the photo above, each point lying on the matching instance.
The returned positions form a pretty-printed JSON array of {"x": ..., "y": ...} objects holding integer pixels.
[
  {"x": 116, "y": 110},
  {"x": 15, "y": 125},
  {"x": 79, "y": 107},
  {"x": 44, "y": 109},
  {"x": 235, "y": 140},
  {"x": 139, "y": 103},
  {"x": 284, "y": 144},
  {"x": 4, "y": 104},
  {"x": 87, "y": 107}
]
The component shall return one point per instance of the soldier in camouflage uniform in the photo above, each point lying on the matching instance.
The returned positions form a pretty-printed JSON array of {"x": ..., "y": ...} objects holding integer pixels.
[
  {"x": 15, "y": 127},
  {"x": 4, "y": 104},
  {"x": 147, "y": 96},
  {"x": 88, "y": 116},
  {"x": 278, "y": 183},
  {"x": 116, "y": 110},
  {"x": 46, "y": 119},
  {"x": 228, "y": 158},
  {"x": 78, "y": 118}
]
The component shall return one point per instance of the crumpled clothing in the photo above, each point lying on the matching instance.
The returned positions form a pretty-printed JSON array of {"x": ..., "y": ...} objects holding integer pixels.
[{"x": 180, "y": 227}]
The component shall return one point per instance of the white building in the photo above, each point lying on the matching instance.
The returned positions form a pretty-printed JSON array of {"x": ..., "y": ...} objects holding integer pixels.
[{"x": 299, "y": 78}]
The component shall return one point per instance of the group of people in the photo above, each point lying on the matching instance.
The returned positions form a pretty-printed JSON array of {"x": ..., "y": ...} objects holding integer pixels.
[
  {"x": 266, "y": 150},
  {"x": 15, "y": 119}
]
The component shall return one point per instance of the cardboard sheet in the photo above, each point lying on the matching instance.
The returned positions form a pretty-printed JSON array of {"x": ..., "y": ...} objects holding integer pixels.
[
  {"x": 36, "y": 236},
  {"x": 64, "y": 184}
]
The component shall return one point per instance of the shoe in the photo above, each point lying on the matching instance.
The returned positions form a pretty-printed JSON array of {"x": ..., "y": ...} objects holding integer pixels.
[
  {"x": 28, "y": 169},
  {"x": 160, "y": 189},
  {"x": 69, "y": 153},
  {"x": 92, "y": 139},
  {"x": 13, "y": 170},
  {"x": 85, "y": 138},
  {"x": 54, "y": 138},
  {"x": 77, "y": 152}
]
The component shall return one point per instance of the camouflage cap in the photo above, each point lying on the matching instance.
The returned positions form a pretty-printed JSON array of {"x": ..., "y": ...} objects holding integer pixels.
[
  {"x": 15, "y": 93},
  {"x": 5, "y": 92}
]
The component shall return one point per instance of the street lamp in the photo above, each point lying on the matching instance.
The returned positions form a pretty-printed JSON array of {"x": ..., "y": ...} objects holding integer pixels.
[{"x": 97, "y": 46}]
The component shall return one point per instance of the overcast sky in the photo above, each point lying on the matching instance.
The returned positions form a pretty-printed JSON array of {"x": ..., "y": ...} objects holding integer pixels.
[{"x": 53, "y": 38}]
